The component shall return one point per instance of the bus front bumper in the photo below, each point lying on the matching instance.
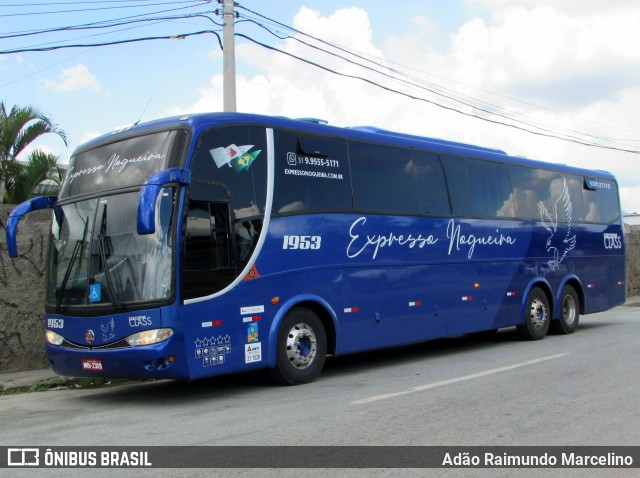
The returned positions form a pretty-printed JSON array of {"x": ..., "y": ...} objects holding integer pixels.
[{"x": 156, "y": 361}]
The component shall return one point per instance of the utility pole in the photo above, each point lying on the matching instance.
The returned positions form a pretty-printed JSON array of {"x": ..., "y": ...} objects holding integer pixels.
[{"x": 228, "y": 57}]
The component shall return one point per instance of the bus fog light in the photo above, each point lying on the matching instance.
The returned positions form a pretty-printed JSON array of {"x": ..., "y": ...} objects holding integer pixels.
[
  {"x": 53, "y": 338},
  {"x": 149, "y": 337}
]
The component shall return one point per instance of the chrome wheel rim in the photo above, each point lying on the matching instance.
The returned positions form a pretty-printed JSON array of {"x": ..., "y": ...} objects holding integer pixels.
[
  {"x": 538, "y": 314},
  {"x": 301, "y": 345}
]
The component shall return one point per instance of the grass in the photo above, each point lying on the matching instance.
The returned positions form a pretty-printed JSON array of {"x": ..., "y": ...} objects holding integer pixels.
[{"x": 61, "y": 383}]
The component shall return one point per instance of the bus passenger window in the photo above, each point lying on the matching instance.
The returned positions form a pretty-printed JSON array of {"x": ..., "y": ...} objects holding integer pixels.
[
  {"x": 311, "y": 175},
  {"x": 430, "y": 185},
  {"x": 490, "y": 189},
  {"x": 529, "y": 186},
  {"x": 383, "y": 179},
  {"x": 458, "y": 187}
]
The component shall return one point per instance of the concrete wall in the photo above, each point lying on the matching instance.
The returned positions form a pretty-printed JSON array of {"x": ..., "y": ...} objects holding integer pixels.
[
  {"x": 632, "y": 238},
  {"x": 22, "y": 294}
]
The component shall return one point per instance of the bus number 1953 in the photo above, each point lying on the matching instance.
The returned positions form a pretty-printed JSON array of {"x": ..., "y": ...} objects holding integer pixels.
[{"x": 302, "y": 242}]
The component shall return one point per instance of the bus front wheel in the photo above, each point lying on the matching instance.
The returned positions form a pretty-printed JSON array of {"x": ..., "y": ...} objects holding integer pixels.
[
  {"x": 301, "y": 348},
  {"x": 570, "y": 313},
  {"x": 536, "y": 316}
]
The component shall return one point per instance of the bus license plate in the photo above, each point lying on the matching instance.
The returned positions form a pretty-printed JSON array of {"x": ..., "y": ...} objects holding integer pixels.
[{"x": 91, "y": 364}]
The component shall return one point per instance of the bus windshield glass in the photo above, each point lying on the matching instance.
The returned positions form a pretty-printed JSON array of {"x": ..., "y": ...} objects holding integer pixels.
[
  {"x": 123, "y": 163},
  {"x": 97, "y": 258}
]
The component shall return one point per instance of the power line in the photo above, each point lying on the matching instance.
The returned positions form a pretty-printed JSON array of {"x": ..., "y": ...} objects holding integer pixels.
[
  {"x": 549, "y": 134},
  {"x": 434, "y": 88},
  {"x": 447, "y": 94},
  {"x": 438, "y": 95},
  {"x": 111, "y": 25},
  {"x": 478, "y": 106},
  {"x": 47, "y": 4},
  {"x": 104, "y": 25},
  {"x": 55, "y": 12},
  {"x": 180, "y": 36}
]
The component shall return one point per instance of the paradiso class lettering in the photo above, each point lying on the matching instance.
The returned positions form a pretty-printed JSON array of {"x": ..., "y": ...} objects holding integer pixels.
[
  {"x": 612, "y": 241},
  {"x": 139, "y": 321}
]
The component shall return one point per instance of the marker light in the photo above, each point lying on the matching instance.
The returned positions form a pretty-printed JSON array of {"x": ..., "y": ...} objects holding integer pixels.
[
  {"x": 53, "y": 338},
  {"x": 149, "y": 337}
]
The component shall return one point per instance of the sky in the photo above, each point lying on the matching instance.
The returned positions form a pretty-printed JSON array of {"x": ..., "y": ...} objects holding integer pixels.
[{"x": 568, "y": 68}]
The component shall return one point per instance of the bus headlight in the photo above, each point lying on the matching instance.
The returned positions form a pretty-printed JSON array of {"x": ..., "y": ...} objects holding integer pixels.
[
  {"x": 53, "y": 338},
  {"x": 149, "y": 337}
]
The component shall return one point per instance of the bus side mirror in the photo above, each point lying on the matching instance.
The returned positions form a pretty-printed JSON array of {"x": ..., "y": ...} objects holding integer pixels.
[
  {"x": 146, "y": 219},
  {"x": 41, "y": 202}
]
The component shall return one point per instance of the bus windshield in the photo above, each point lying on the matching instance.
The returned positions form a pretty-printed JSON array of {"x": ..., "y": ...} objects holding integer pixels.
[
  {"x": 96, "y": 256},
  {"x": 122, "y": 163}
]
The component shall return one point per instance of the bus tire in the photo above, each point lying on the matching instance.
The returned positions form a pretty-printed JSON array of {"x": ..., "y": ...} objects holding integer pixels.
[
  {"x": 301, "y": 348},
  {"x": 537, "y": 316},
  {"x": 569, "y": 313}
]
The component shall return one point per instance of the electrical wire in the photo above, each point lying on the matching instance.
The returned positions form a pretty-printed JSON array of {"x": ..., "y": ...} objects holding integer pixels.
[
  {"x": 117, "y": 23},
  {"x": 93, "y": 26},
  {"x": 180, "y": 36},
  {"x": 55, "y": 12},
  {"x": 409, "y": 86},
  {"x": 89, "y": 2},
  {"x": 426, "y": 100},
  {"x": 450, "y": 96}
]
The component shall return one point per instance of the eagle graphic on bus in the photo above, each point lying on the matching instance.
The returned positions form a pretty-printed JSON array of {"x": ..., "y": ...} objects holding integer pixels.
[{"x": 561, "y": 238}]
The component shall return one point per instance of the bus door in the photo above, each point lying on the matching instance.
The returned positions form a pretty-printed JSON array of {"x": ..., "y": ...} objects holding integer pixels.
[{"x": 208, "y": 265}]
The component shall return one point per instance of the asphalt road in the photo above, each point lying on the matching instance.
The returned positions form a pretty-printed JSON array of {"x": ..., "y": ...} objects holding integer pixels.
[{"x": 580, "y": 389}]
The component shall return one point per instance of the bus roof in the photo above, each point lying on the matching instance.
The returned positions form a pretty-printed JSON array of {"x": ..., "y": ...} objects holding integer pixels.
[{"x": 202, "y": 121}]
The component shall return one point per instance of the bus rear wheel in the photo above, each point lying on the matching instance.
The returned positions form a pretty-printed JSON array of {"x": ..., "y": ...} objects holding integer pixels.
[
  {"x": 536, "y": 316},
  {"x": 301, "y": 348},
  {"x": 570, "y": 313}
]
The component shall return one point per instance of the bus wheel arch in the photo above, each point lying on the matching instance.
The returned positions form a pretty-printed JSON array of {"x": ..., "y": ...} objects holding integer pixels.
[
  {"x": 301, "y": 337},
  {"x": 537, "y": 312}
]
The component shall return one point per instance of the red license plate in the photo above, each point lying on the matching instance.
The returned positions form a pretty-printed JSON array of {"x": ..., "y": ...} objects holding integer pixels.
[{"x": 91, "y": 364}]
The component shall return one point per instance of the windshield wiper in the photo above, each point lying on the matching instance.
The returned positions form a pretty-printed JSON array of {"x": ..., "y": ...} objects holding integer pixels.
[
  {"x": 77, "y": 250},
  {"x": 102, "y": 248}
]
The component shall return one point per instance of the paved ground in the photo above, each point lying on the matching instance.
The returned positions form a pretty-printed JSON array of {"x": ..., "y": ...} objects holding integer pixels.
[{"x": 47, "y": 379}]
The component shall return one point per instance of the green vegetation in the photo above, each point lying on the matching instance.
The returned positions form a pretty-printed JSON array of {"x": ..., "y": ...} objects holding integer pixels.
[
  {"x": 19, "y": 127},
  {"x": 61, "y": 383}
]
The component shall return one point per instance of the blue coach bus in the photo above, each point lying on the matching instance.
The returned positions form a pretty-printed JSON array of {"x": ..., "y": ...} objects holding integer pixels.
[{"x": 215, "y": 243}]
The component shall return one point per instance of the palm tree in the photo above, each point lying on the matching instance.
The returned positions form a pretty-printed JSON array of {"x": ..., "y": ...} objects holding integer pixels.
[
  {"x": 18, "y": 128},
  {"x": 23, "y": 177}
]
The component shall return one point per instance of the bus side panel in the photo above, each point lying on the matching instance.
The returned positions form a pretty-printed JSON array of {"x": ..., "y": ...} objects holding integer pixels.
[
  {"x": 616, "y": 281},
  {"x": 375, "y": 308},
  {"x": 228, "y": 333},
  {"x": 232, "y": 332},
  {"x": 453, "y": 299}
]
